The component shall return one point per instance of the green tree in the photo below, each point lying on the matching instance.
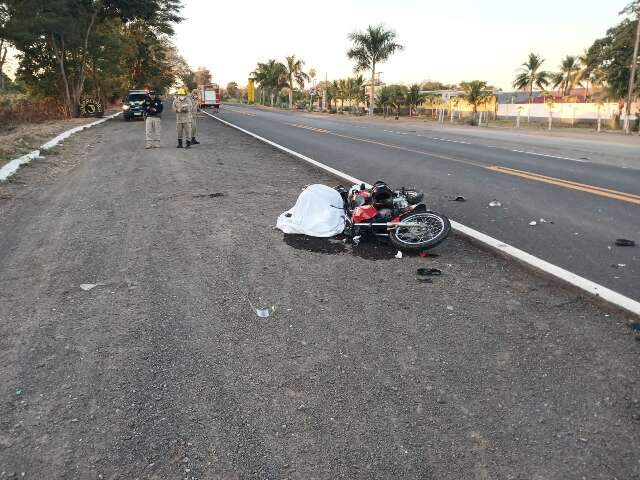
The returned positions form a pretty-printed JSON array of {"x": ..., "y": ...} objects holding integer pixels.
[
  {"x": 476, "y": 93},
  {"x": 397, "y": 97},
  {"x": 232, "y": 89},
  {"x": 271, "y": 76},
  {"x": 612, "y": 54},
  {"x": 531, "y": 75},
  {"x": 295, "y": 75},
  {"x": 202, "y": 76},
  {"x": 4, "y": 43},
  {"x": 357, "y": 90},
  {"x": 569, "y": 75},
  {"x": 431, "y": 85},
  {"x": 371, "y": 47},
  {"x": 414, "y": 98},
  {"x": 334, "y": 93},
  {"x": 61, "y": 34},
  {"x": 383, "y": 98}
]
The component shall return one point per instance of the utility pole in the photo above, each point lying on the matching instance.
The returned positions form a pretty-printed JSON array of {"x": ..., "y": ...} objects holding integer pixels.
[{"x": 632, "y": 77}]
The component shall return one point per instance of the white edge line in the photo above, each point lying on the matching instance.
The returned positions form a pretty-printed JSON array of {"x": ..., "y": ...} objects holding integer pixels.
[
  {"x": 576, "y": 280},
  {"x": 12, "y": 167}
]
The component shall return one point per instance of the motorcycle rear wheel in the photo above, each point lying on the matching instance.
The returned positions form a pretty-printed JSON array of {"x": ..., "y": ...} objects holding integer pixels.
[{"x": 416, "y": 239}]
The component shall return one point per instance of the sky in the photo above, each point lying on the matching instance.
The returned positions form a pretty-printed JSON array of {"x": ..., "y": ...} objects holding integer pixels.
[{"x": 446, "y": 41}]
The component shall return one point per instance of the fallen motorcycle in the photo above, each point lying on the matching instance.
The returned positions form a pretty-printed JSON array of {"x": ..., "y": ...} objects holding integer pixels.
[{"x": 399, "y": 215}]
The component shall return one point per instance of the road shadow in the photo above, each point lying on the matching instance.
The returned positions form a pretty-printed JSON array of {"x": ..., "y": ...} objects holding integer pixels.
[{"x": 368, "y": 248}]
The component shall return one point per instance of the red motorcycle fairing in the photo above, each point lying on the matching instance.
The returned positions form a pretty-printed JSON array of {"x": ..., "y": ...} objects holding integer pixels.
[{"x": 364, "y": 213}]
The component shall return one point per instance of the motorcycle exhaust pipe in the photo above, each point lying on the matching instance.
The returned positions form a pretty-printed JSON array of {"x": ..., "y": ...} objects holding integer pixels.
[{"x": 389, "y": 224}]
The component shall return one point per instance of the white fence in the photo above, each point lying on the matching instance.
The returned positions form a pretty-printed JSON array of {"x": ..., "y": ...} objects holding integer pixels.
[{"x": 572, "y": 112}]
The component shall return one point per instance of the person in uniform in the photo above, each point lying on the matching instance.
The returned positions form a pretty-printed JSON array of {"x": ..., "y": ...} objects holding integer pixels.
[
  {"x": 153, "y": 128},
  {"x": 182, "y": 106},
  {"x": 195, "y": 99}
]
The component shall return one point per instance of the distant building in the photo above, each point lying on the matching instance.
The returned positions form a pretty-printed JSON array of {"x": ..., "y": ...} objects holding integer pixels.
[
  {"x": 519, "y": 96},
  {"x": 444, "y": 94}
]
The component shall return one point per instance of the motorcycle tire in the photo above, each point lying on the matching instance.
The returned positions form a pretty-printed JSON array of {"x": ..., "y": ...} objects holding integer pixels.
[{"x": 417, "y": 239}]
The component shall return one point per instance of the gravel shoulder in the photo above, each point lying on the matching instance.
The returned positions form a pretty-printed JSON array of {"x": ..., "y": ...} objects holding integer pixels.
[{"x": 164, "y": 370}]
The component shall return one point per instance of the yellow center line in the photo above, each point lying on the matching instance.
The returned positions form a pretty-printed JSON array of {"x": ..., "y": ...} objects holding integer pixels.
[
  {"x": 625, "y": 197},
  {"x": 306, "y": 127},
  {"x": 540, "y": 177}
]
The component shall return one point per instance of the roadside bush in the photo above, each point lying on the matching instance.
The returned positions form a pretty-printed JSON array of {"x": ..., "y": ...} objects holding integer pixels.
[
  {"x": 471, "y": 121},
  {"x": 333, "y": 110},
  {"x": 19, "y": 109}
]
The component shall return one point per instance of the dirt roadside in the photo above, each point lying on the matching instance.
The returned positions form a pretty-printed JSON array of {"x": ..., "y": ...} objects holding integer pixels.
[
  {"x": 17, "y": 140},
  {"x": 163, "y": 370}
]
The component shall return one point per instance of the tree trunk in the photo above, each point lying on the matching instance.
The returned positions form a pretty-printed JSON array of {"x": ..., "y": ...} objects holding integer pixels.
[
  {"x": 632, "y": 78},
  {"x": 3, "y": 58},
  {"x": 79, "y": 87},
  {"x": 530, "y": 102},
  {"x": 290, "y": 92},
  {"x": 373, "y": 88},
  {"x": 59, "y": 52}
]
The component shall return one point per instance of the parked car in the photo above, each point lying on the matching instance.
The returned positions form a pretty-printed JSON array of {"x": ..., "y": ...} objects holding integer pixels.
[{"x": 132, "y": 105}]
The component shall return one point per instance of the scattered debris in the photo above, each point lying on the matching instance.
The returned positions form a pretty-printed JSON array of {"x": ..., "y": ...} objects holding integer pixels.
[
  {"x": 533, "y": 223},
  {"x": 263, "y": 312},
  {"x": 399, "y": 254},
  {"x": 210, "y": 195},
  {"x": 623, "y": 242},
  {"x": 542, "y": 220},
  {"x": 18, "y": 391},
  {"x": 495, "y": 203},
  {"x": 429, "y": 272},
  {"x": 449, "y": 307},
  {"x": 88, "y": 286},
  {"x": 426, "y": 254},
  {"x": 460, "y": 198},
  {"x": 425, "y": 280},
  {"x": 356, "y": 240},
  {"x": 618, "y": 265}
]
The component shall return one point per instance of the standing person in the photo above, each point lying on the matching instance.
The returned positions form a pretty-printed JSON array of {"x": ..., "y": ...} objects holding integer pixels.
[
  {"x": 195, "y": 96},
  {"x": 182, "y": 107},
  {"x": 153, "y": 128}
]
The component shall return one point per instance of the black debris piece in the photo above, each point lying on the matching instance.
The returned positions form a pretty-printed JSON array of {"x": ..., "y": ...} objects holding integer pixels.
[
  {"x": 623, "y": 242},
  {"x": 429, "y": 272}
]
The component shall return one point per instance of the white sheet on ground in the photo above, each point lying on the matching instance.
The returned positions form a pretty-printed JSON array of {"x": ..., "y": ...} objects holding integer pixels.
[{"x": 318, "y": 212}]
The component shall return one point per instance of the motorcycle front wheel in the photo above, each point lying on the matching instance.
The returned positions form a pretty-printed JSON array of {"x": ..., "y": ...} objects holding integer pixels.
[{"x": 433, "y": 229}]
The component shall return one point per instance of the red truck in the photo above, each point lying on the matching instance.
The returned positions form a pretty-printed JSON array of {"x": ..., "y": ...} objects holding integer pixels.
[{"x": 209, "y": 96}]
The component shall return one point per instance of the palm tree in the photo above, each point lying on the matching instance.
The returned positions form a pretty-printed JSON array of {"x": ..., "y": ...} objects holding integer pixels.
[
  {"x": 414, "y": 97},
  {"x": 476, "y": 93},
  {"x": 342, "y": 92},
  {"x": 358, "y": 90},
  {"x": 396, "y": 96},
  {"x": 370, "y": 48},
  {"x": 383, "y": 98},
  {"x": 295, "y": 75},
  {"x": 530, "y": 75},
  {"x": 269, "y": 76},
  {"x": 353, "y": 90},
  {"x": 336, "y": 92},
  {"x": 568, "y": 76},
  {"x": 586, "y": 71},
  {"x": 312, "y": 77}
]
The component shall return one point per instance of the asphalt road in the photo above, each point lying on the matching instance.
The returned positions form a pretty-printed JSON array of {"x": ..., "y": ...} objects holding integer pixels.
[{"x": 586, "y": 191}]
